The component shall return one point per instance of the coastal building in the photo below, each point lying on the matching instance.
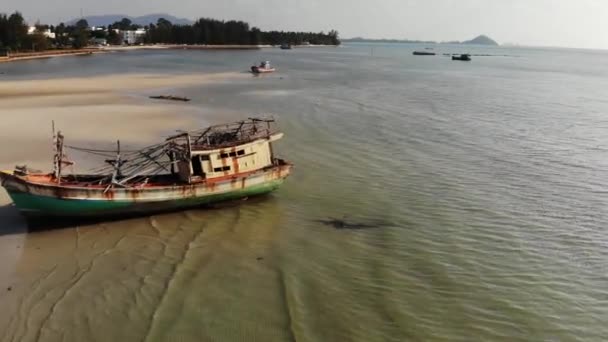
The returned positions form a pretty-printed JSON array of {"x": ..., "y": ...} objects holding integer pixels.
[
  {"x": 47, "y": 33},
  {"x": 131, "y": 37}
]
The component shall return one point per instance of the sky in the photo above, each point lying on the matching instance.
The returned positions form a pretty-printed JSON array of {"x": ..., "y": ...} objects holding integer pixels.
[{"x": 563, "y": 23}]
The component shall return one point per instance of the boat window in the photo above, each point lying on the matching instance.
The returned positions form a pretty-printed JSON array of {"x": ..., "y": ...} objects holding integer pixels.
[
  {"x": 204, "y": 157},
  {"x": 241, "y": 152},
  {"x": 223, "y": 155},
  {"x": 226, "y": 168},
  {"x": 197, "y": 167},
  {"x": 220, "y": 169}
]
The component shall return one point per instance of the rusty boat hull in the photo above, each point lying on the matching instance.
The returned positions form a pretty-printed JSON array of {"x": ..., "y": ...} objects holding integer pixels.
[{"x": 37, "y": 195}]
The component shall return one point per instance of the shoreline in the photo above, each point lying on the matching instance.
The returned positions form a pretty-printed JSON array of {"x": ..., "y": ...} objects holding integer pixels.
[
  {"x": 24, "y": 56},
  {"x": 205, "y": 47}
]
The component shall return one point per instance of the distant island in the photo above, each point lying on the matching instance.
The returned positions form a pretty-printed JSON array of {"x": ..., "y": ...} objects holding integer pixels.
[{"x": 480, "y": 40}]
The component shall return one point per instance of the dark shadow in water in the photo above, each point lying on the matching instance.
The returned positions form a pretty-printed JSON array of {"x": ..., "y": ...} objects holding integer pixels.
[
  {"x": 12, "y": 222},
  {"x": 344, "y": 224}
]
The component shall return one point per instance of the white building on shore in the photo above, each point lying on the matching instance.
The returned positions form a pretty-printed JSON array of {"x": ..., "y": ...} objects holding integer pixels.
[
  {"x": 132, "y": 37},
  {"x": 47, "y": 33}
]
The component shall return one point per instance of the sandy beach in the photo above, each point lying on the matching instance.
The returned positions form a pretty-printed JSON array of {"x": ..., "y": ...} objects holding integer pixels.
[{"x": 94, "y": 109}]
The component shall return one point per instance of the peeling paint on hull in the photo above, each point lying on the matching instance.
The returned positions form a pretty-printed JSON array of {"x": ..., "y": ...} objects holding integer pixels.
[{"x": 44, "y": 200}]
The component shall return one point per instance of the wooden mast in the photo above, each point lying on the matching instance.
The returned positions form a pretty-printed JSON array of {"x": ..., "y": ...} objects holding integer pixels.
[{"x": 58, "y": 157}]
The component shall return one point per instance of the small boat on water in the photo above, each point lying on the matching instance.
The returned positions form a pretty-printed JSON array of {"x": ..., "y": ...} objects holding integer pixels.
[
  {"x": 190, "y": 169},
  {"x": 464, "y": 57},
  {"x": 423, "y": 53},
  {"x": 264, "y": 67},
  {"x": 285, "y": 47}
]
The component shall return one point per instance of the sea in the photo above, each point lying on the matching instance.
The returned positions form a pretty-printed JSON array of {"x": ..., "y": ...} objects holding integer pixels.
[{"x": 431, "y": 200}]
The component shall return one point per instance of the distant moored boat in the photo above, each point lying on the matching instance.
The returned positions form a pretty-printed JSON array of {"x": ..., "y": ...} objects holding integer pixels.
[
  {"x": 464, "y": 57},
  {"x": 423, "y": 53}
]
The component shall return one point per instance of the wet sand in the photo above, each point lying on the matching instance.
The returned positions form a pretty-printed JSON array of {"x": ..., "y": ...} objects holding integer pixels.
[{"x": 140, "y": 279}]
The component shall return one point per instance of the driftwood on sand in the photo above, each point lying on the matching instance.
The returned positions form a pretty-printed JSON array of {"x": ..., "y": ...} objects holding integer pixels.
[{"x": 170, "y": 97}]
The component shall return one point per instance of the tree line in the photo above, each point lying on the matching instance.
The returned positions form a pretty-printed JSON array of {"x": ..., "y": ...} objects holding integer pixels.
[
  {"x": 13, "y": 31},
  {"x": 15, "y": 37},
  {"x": 14, "y": 34},
  {"x": 218, "y": 32}
]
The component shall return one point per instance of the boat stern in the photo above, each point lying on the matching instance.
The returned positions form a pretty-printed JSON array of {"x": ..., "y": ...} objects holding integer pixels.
[
  {"x": 281, "y": 169},
  {"x": 5, "y": 175}
]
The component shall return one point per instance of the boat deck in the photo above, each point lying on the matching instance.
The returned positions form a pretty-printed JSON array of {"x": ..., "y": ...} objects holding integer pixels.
[{"x": 145, "y": 182}]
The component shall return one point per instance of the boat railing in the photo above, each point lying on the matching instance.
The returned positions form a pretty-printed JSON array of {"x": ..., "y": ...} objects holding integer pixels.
[
  {"x": 126, "y": 167},
  {"x": 232, "y": 134}
]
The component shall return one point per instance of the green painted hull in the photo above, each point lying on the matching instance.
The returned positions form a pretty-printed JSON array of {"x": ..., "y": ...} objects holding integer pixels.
[{"x": 38, "y": 205}]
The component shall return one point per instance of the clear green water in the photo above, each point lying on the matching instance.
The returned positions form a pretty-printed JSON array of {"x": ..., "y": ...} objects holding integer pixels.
[{"x": 486, "y": 180}]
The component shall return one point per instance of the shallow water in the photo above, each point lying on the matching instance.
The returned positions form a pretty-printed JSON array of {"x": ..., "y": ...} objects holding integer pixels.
[{"x": 481, "y": 185}]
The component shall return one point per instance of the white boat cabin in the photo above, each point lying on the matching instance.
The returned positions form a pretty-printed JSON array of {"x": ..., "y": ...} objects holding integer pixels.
[{"x": 228, "y": 161}]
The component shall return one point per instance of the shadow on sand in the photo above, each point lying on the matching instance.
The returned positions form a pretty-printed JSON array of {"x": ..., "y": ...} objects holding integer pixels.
[{"x": 13, "y": 222}]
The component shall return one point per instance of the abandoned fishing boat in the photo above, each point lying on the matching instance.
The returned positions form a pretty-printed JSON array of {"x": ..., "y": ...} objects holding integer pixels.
[
  {"x": 219, "y": 163},
  {"x": 264, "y": 67}
]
